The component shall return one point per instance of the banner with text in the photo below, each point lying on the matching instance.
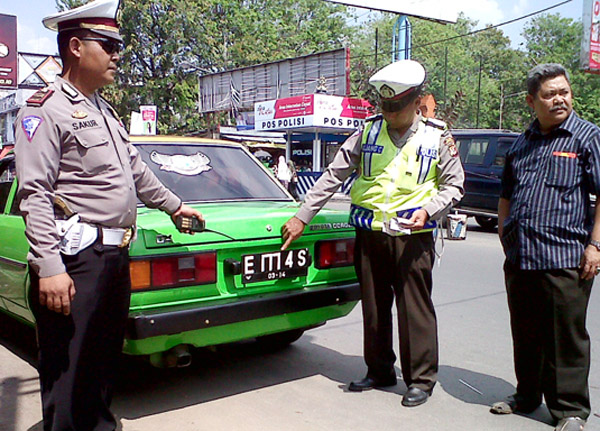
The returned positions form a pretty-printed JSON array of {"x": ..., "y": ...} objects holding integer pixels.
[
  {"x": 8, "y": 51},
  {"x": 311, "y": 111}
]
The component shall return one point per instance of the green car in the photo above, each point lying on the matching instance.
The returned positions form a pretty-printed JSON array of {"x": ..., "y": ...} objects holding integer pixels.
[{"x": 228, "y": 283}]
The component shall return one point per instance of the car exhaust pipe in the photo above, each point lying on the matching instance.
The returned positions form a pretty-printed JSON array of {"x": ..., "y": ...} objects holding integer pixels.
[{"x": 177, "y": 357}]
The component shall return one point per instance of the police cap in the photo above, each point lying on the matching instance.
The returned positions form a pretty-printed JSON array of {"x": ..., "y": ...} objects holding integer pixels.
[
  {"x": 396, "y": 81},
  {"x": 99, "y": 16}
]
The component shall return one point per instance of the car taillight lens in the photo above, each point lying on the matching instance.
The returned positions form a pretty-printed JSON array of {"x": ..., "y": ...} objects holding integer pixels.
[
  {"x": 334, "y": 253},
  {"x": 174, "y": 271}
]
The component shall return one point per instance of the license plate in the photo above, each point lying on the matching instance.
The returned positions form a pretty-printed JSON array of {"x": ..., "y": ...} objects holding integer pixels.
[{"x": 275, "y": 265}]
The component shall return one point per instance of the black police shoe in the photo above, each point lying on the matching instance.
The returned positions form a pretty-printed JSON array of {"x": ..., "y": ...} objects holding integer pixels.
[
  {"x": 369, "y": 383},
  {"x": 415, "y": 397}
]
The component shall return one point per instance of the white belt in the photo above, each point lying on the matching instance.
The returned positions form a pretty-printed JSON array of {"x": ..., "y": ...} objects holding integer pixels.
[
  {"x": 116, "y": 236},
  {"x": 76, "y": 236}
]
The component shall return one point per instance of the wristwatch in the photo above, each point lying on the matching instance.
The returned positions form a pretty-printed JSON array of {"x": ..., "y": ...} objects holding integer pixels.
[{"x": 595, "y": 244}]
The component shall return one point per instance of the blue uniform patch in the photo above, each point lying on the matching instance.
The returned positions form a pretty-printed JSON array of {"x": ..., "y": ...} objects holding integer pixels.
[
  {"x": 30, "y": 124},
  {"x": 371, "y": 148}
]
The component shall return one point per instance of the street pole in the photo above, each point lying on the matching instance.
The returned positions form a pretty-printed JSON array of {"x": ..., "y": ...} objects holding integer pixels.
[
  {"x": 376, "y": 46},
  {"x": 479, "y": 90},
  {"x": 445, "y": 76},
  {"x": 501, "y": 105}
]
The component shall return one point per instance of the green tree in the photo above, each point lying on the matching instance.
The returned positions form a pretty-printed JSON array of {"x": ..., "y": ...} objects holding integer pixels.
[
  {"x": 453, "y": 63},
  {"x": 168, "y": 43},
  {"x": 555, "y": 39}
]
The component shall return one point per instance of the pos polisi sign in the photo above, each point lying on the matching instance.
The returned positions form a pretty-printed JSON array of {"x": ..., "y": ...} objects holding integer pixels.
[{"x": 310, "y": 111}]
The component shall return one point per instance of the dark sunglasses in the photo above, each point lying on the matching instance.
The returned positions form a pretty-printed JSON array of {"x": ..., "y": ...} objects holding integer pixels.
[{"x": 110, "y": 46}]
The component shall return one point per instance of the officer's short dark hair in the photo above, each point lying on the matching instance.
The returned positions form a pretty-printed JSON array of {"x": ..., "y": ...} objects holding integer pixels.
[
  {"x": 63, "y": 39},
  {"x": 541, "y": 72}
]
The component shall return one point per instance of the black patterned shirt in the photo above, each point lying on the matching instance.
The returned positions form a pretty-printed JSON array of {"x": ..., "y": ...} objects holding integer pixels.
[{"x": 548, "y": 180}]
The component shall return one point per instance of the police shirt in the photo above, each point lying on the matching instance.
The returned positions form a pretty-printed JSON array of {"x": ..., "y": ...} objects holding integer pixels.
[
  {"x": 74, "y": 147},
  {"x": 449, "y": 171}
]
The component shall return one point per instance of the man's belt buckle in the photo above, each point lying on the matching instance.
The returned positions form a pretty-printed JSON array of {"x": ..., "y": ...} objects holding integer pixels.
[{"x": 127, "y": 235}]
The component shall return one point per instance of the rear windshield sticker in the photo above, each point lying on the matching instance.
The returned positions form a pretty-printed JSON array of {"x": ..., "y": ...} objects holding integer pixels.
[{"x": 185, "y": 165}]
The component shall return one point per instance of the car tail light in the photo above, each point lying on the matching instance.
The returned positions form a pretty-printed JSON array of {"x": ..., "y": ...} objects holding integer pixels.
[
  {"x": 334, "y": 253},
  {"x": 172, "y": 271}
]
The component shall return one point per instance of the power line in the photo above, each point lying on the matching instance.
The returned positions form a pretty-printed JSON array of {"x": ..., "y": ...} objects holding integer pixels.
[{"x": 482, "y": 29}]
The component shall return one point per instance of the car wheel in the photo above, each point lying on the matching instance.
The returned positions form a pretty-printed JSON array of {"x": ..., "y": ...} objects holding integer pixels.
[
  {"x": 488, "y": 223},
  {"x": 280, "y": 340}
]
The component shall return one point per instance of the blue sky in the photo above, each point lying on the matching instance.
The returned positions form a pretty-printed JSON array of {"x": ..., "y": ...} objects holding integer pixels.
[{"x": 33, "y": 37}]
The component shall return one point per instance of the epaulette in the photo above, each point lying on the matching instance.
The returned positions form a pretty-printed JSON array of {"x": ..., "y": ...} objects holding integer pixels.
[
  {"x": 374, "y": 117},
  {"x": 434, "y": 122},
  {"x": 39, "y": 97}
]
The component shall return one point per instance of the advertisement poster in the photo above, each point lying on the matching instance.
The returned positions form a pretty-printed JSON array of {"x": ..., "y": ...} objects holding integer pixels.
[
  {"x": 590, "y": 40},
  {"x": 8, "y": 51},
  {"x": 594, "y": 59},
  {"x": 148, "y": 119},
  {"x": 309, "y": 111}
]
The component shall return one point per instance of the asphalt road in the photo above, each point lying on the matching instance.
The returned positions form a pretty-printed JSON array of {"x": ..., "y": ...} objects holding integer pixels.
[{"x": 304, "y": 387}]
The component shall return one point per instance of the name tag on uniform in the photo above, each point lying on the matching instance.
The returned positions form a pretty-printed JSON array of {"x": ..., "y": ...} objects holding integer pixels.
[
  {"x": 371, "y": 148},
  {"x": 564, "y": 154}
]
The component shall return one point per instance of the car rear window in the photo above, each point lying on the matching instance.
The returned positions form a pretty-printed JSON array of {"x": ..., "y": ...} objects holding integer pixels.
[
  {"x": 476, "y": 153},
  {"x": 199, "y": 173}
]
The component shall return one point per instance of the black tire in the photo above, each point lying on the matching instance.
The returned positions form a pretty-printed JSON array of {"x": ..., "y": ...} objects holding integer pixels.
[
  {"x": 280, "y": 340},
  {"x": 488, "y": 223}
]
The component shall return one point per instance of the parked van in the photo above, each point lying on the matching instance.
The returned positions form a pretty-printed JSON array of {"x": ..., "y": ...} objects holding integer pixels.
[{"x": 482, "y": 152}]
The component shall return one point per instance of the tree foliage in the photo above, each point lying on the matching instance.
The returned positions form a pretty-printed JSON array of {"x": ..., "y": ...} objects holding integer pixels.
[
  {"x": 170, "y": 42},
  {"x": 477, "y": 78}
]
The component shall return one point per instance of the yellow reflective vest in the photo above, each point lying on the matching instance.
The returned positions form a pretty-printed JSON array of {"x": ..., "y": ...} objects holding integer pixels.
[{"x": 395, "y": 182}]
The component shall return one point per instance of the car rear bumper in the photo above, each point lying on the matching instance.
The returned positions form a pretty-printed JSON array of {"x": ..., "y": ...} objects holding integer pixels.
[{"x": 174, "y": 320}]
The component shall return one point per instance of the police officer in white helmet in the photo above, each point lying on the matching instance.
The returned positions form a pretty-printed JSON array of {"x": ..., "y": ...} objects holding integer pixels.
[{"x": 409, "y": 174}]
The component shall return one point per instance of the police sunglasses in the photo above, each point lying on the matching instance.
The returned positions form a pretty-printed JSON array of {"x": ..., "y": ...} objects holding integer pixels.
[{"x": 110, "y": 46}]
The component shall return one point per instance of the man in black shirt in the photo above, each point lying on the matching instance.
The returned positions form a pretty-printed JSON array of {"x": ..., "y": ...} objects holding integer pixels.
[{"x": 552, "y": 246}]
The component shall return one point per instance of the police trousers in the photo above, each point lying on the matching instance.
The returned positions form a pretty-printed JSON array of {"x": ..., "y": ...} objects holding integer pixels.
[
  {"x": 78, "y": 353},
  {"x": 399, "y": 267},
  {"x": 551, "y": 344}
]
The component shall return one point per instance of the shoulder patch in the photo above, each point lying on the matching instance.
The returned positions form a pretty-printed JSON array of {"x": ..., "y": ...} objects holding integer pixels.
[
  {"x": 433, "y": 122},
  {"x": 374, "y": 117},
  {"x": 30, "y": 125},
  {"x": 39, "y": 97},
  {"x": 451, "y": 144}
]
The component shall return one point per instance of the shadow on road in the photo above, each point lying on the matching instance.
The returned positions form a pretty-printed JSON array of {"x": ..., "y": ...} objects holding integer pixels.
[
  {"x": 19, "y": 339},
  {"x": 225, "y": 371},
  {"x": 477, "y": 388}
]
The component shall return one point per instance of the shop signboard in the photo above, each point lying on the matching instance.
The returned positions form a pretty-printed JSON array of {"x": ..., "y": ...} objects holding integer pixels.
[
  {"x": 311, "y": 111},
  {"x": 8, "y": 51},
  {"x": 590, "y": 45}
]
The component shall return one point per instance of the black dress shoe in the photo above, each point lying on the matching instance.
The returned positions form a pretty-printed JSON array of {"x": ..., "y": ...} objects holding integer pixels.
[
  {"x": 415, "y": 397},
  {"x": 369, "y": 383}
]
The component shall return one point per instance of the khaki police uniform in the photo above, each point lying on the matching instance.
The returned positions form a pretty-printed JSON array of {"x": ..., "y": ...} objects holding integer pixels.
[
  {"x": 397, "y": 266},
  {"x": 76, "y": 148}
]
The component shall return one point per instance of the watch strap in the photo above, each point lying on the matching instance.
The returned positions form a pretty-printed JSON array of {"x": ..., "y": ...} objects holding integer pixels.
[{"x": 595, "y": 244}]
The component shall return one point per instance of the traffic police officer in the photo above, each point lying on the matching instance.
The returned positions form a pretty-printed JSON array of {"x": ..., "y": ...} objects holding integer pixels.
[
  {"x": 409, "y": 173},
  {"x": 72, "y": 149}
]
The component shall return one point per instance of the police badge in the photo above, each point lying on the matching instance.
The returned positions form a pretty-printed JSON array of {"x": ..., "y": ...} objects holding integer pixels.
[{"x": 386, "y": 91}]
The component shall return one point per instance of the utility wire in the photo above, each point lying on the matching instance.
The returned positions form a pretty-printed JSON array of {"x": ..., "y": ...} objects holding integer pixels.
[{"x": 481, "y": 29}]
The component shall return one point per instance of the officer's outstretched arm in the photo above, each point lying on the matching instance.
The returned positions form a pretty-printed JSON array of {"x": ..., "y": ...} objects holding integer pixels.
[{"x": 291, "y": 231}]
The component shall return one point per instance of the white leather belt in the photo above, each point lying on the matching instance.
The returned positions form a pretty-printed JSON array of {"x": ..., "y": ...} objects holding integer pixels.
[{"x": 76, "y": 236}]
